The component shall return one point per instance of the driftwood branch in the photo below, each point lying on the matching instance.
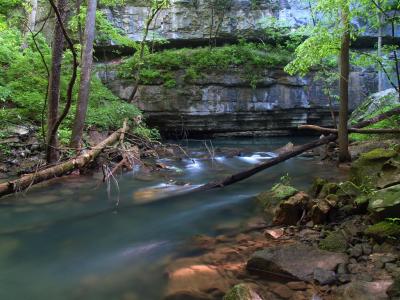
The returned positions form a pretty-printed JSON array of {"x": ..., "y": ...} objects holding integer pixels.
[
  {"x": 351, "y": 130},
  {"x": 60, "y": 169}
]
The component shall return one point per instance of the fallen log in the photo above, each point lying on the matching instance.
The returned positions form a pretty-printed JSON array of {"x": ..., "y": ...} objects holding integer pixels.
[
  {"x": 350, "y": 130},
  {"x": 378, "y": 118},
  {"x": 272, "y": 162},
  {"x": 80, "y": 161}
]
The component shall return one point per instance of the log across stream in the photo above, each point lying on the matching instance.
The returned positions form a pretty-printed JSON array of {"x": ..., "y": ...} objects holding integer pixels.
[{"x": 121, "y": 252}]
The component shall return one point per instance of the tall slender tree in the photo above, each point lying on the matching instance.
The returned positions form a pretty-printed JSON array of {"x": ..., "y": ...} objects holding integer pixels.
[
  {"x": 343, "y": 136},
  {"x": 84, "y": 87},
  {"x": 52, "y": 153}
]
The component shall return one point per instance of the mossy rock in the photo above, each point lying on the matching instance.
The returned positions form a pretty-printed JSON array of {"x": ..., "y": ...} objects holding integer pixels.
[
  {"x": 240, "y": 292},
  {"x": 275, "y": 195},
  {"x": 362, "y": 200},
  {"x": 379, "y": 154},
  {"x": 328, "y": 189},
  {"x": 316, "y": 186},
  {"x": 386, "y": 202},
  {"x": 335, "y": 241},
  {"x": 383, "y": 230},
  {"x": 372, "y": 167},
  {"x": 349, "y": 189}
]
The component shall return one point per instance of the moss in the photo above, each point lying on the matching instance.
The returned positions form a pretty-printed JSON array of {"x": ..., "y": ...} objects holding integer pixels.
[
  {"x": 365, "y": 170},
  {"x": 317, "y": 185},
  {"x": 379, "y": 153},
  {"x": 348, "y": 188},
  {"x": 238, "y": 292},
  {"x": 276, "y": 194},
  {"x": 335, "y": 242},
  {"x": 386, "y": 202},
  {"x": 328, "y": 188},
  {"x": 362, "y": 200},
  {"x": 383, "y": 230}
]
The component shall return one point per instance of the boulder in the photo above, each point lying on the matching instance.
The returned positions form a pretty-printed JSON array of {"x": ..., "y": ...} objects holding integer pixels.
[
  {"x": 289, "y": 211},
  {"x": 242, "y": 292},
  {"x": 386, "y": 202},
  {"x": 293, "y": 262}
]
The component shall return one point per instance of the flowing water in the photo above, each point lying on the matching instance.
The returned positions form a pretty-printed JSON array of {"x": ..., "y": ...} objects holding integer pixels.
[{"x": 71, "y": 240}]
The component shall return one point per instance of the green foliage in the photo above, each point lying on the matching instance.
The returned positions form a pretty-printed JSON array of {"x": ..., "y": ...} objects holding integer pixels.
[
  {"x": 254, "y": 58},
  {"x": 150, "y": 133},
  {"x": 286, "y": 179},
  {"x": 23, "y": 85}
]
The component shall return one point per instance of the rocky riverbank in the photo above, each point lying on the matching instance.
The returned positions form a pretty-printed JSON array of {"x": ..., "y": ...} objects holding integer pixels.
[{"x": 338, "y": 240}]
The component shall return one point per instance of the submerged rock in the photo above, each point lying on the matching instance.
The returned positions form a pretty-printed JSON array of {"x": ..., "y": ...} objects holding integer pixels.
[{"x": 293, "y": 262}]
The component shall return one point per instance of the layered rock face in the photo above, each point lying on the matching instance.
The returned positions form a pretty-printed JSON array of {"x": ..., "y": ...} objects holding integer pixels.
[
  {"x": 190, "y": 20},
  {"x": 225, "y": 103}
]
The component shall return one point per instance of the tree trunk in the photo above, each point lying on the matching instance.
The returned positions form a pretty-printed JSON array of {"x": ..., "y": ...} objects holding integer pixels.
[
  {"x": 343, "y": 137},
  {"x": 84, "y": 87},
  {"x": 380, "y": 72},
  {"x": 52, "y": 153}
]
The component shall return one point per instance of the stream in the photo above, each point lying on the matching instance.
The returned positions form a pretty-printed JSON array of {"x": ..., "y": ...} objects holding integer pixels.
[{"x": 71, "y": 240}]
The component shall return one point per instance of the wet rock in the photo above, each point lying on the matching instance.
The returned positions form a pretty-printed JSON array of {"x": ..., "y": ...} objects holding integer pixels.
[
  {"x": 283, "y": 261},
  {"x": 324, "y": 277},
  {"x": 335, "y": 241},
  {"x": 242, "y": 292},
  {"x": 275, "y": 233},
  {"x": 280, "y": 290},
  {"x": 385, "y": 203},
  {"x": 297, "y": 285},
  {"x": 290, "y": 211},
  {"x": 383, "y": 230},
  {"x": 360, "y": 290},
  {"x": 189, "y": 279}
]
